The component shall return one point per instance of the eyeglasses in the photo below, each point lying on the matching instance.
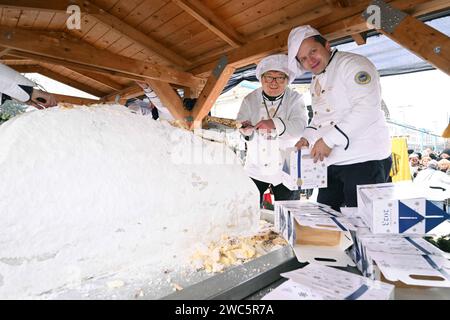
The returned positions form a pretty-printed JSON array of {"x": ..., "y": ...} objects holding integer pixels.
[{"x": 269, "y": 79}]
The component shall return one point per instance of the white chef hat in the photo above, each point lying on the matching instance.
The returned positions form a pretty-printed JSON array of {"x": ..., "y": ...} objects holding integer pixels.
[
  {"x": 275, "y": 62},
  {"x": 295, "y": 40}
]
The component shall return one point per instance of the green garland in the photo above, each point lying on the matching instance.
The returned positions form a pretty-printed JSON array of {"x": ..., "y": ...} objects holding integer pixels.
[
  {"x": 10, "y": 109},
  {"x": 442, "y": 242}
]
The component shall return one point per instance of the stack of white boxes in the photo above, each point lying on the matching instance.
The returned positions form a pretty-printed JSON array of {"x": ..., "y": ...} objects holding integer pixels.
[{"x": 391, "y": 247}]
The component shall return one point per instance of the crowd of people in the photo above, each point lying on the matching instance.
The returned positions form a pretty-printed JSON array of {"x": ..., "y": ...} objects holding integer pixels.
[{"x": 430, "y": 167}]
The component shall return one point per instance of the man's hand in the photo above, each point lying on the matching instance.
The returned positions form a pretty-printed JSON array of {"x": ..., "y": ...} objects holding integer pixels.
[
  {"x": 246, "y": 128},
  {"x": 320, "y": 150},
  {"x": 267, "y": 125},
  {"x": 302, "y": 143},
  {"x": 41, "y": 99}
]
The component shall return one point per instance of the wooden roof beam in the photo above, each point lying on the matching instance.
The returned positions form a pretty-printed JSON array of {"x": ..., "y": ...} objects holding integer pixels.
[
  {"x": 132, "y": 91},
  {"x": 416, "y": 36},
  {"x": 210, "y": 20},
  {"x": 4, "y": 51},
  {"x": 74, "y": 65},
  {"x": 99, "y": 78},
  {"x": 64, "y": 48},
  {"x": 61, "y": 98},
  {"x": 360, "y": 38},
  {"x": 58, "y": 77},
  {"x": 86, "y": 7}
]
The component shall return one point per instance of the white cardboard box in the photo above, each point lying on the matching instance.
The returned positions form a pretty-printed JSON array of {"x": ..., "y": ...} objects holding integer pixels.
[
  {"x": 315, "y": 235},
  {"x": 299, "y": 170},
  {"x": 398, "y": 208},
  {"x": 409, "y": 261},
  {"x": 317, "y": 282}
]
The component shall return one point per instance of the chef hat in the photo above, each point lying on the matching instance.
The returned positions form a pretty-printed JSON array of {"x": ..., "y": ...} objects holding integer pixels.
[
  {"x": 295, "y": 40},
  {"x": 276, "y": 62}
]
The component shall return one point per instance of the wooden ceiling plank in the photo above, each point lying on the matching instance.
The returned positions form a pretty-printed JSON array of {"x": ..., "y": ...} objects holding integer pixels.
[
  {"x": 10, "y": 17},
  {"x": 290, "y": 21},
  {"x": 108, "y": 39},
  {"x": 27, "y": 18},
  {"x": 139, "y": 14},
  {"x": 58, "y": 22},
  {"x": 98, "y": 31},
  {"x": 160, "y": 17},
  {"x": 100, "y": 15},
  {"x": 257, "y": 11},
  {"x": 211, "y": 21},
  {"x": 122, "y": 8},
  {"x": 65, "y": 48},
  {"x": 43, "y": 20}
]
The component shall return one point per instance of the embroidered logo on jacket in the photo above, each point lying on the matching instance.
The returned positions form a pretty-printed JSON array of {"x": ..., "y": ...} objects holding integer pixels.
[{"x": 362, "y": 77}]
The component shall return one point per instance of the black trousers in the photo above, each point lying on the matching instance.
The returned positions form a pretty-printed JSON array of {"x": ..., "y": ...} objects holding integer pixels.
[
  {"x": 280, "y": 192},
  {"x": 342, "y": 181}
]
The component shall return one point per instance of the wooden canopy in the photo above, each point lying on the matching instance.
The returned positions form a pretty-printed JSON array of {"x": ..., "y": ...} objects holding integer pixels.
[{"x": 190, "y": 44}]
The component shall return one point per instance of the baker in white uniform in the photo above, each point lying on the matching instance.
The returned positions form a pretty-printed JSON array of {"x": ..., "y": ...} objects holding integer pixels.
[
  {"x": 273, "y": 118},
  {"x": 162, "y": 111},
  {"x": 348, "y": 127},
  {"x": 13, "y": 85}
]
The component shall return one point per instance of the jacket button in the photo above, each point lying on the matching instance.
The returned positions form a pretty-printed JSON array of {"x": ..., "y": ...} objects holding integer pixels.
[
  {"x": 328, "y": 110},
  {"x": 265, "y": 165},
  {"x": 332, "y": 123},
  {"x": 315, "y": 112},
  {"x": 323, "y": 91},
  {"x": 320, "y": 126}
]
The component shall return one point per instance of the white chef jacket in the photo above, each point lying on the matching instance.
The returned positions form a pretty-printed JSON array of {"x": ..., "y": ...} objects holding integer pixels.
[
  {"x": 10, "y": 80},
  {"x": 163, "y": 112},
  {"x": 265, "y": 157},
  {"x": 346, "y": 104}
]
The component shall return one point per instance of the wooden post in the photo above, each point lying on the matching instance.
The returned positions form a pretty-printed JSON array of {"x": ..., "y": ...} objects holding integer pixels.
[
  {"x": 170, "y": 99},
  {"x": 212, "y": 90}
]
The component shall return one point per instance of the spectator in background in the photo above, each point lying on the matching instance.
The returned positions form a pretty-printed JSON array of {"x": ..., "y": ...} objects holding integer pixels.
[
  {"x": 413, "y": 164},
  {"x": 444, "y": 165},
  {"x": 424, "y": 162},
  {"x": 432, "y": 177},
  {"x": 445, "y": 154}
]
